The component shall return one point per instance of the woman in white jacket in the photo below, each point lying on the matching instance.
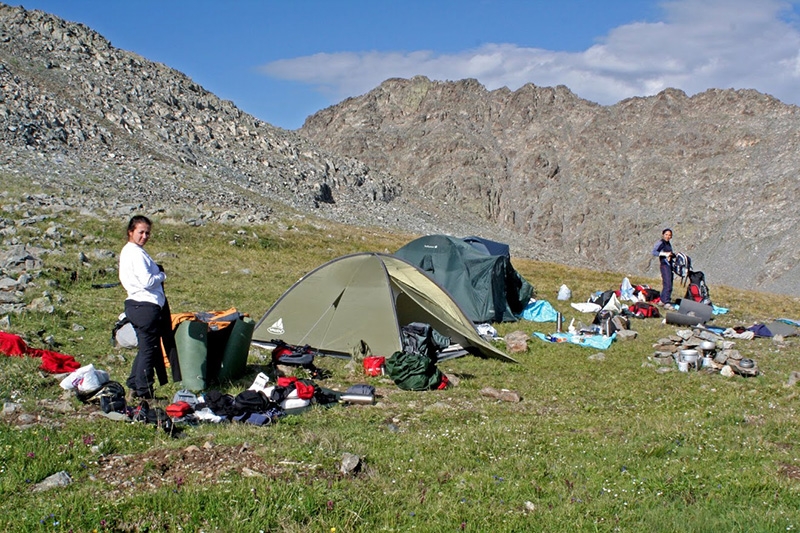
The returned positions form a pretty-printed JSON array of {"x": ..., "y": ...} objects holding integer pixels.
[{"x": 146, "y": 307}]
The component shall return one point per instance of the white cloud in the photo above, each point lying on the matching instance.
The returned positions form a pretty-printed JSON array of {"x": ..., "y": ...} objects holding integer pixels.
[{"x": 699, "y": 44}]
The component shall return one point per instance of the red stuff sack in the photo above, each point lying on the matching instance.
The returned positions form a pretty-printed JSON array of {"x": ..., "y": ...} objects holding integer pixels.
[
  {"x": 373, "y": 366},
  {"x": 179, "y": 409}
]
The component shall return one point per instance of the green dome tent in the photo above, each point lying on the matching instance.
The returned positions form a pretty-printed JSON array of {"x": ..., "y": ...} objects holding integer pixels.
[
  {"x": 486, "y": 286},
  {"x": 366, "y": 297}
]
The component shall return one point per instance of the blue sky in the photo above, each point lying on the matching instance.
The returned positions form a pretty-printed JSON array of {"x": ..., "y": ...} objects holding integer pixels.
[{"x": 281, "y": 61}]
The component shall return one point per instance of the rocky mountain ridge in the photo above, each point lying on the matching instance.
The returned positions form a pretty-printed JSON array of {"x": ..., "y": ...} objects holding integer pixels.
[
  {"x": 559, "y": 178},
  {"x": 597, "y": 183},
  {"x": 91, "y": 121}
]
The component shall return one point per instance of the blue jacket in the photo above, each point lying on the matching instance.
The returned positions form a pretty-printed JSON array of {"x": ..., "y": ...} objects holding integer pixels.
[{"x": 662, "y": 249}]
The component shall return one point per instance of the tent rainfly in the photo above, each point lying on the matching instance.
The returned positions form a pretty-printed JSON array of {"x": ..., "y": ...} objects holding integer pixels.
[
  {"x": 487, "y": 246},
  {"x": 477, "y": 273},
  {"x": 366, "y": 297}
]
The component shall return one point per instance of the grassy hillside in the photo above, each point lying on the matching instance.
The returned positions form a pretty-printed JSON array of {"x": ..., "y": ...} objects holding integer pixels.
[{"x": 594, "y": 445}]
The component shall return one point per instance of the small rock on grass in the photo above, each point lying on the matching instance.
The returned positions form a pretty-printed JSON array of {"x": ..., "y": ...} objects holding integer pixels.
[
  {"x": 504, "y": 394},
  {"x": 517, "y": 342},
  {"x": 453, "y": 379},
  {"x": 59, "y": 479},
  {"x": 10, "y": 408},
  {"x": 351, "y": 463}
]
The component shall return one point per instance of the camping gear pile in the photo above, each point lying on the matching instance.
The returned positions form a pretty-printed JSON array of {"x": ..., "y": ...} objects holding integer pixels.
[
  {"x": 701, "y": 349},
  {"x": 263, "y": 403},
  {"x": 613, "y": 317}
]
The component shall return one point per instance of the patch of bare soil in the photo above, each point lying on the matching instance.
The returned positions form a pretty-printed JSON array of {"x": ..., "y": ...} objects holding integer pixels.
[
  {"x": 790, "y": 471},
  {"x": 170, "y": 467}
]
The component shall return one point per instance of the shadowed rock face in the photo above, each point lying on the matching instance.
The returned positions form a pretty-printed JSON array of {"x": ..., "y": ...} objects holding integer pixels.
[{"x": 558, "y": 177}]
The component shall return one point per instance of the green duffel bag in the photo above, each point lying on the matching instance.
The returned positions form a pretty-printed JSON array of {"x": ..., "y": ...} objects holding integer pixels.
[{"x": 412, "y": 371}]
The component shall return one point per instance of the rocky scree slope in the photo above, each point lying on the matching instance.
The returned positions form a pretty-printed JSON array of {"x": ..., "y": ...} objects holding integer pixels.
[
  {"x": 106, "y": 128},
  {"x": 591, "y": 185}
]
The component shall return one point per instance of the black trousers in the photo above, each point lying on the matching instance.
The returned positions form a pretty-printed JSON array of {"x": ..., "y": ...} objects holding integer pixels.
[{"x": 151, "y": 323}]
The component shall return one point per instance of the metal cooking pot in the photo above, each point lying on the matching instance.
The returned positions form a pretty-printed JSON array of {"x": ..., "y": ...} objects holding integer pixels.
[
  {"x": 690, "y": 356},
  {"x": 707, "y": 346},
  {"x": 747, "y": 363}
]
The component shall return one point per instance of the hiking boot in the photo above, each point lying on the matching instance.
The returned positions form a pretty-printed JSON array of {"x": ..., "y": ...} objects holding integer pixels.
[{"x": 133, "y": 397}]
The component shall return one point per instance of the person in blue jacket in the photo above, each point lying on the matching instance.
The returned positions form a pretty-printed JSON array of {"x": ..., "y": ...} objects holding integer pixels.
[{"x": 663, "y": 250}]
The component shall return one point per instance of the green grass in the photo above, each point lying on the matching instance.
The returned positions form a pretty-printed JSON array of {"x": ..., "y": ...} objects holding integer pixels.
[{"x": 608, "y": 445}]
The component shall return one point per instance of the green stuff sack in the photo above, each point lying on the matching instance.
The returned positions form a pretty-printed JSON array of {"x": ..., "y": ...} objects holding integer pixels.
[{"x": 411, "y": 371}]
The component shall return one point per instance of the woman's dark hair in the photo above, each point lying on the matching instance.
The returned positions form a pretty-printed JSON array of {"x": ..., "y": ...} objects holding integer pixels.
[
  {"x": 138, "y": 219},
  {"x": 666, "y": 230}
]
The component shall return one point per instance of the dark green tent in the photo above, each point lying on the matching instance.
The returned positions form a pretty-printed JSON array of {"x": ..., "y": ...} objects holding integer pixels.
[{"x": 486, "y": 287}]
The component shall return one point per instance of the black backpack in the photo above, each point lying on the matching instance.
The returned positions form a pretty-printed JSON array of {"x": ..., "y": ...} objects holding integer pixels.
[
  {"x": 649, "y": 295},
  {"x": 615, "y": 321},
  {"x": 220, "y": 404},
  {"x": 111, "y": 397},
  {"x": 422, "y": 339},
  {"x": 697, "y": 289},
  {"x": 682, "y": 265},
  {"x": 152, "y": 415},
  {"x": 291, "y": 355},
  {"x": 299, "y": 356},
  {"x": 251, "y": 401}
]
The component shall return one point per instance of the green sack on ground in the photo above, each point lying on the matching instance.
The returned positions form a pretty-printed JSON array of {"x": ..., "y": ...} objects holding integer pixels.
[{"x": 411, "y": 371}]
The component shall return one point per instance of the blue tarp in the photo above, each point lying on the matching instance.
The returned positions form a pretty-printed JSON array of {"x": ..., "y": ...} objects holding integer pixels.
[
  {"x": 600, "y": 342},
  {"x": 539, "y": 311}
]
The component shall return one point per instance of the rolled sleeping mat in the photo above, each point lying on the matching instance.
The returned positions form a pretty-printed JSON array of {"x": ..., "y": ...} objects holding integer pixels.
[
  {"x": 683, "y": 320},
  {"x": 687, "y": 306}
]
